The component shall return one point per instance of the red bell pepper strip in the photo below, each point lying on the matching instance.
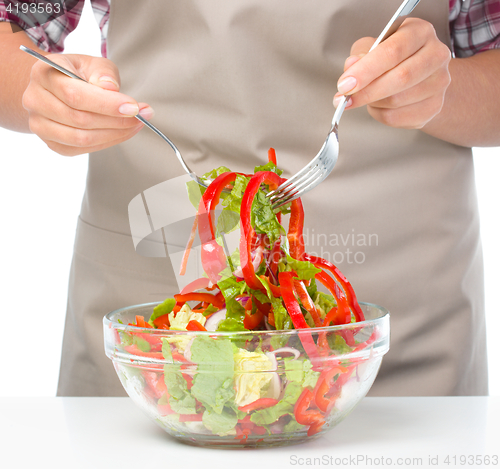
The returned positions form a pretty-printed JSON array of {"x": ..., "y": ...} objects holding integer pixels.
[
  {"x": 245, "y": 419},
  {"x": 189, "y": 245},
  {"x": 331, "y": 316},
  {"x": 295, "y": 230},
  {"x": 271, "y": 155},
  {"x": 194, "y": 325},
  {"x": 293, "y": 308},
  {"x": 198, "y": 284},
  {"x": 152, "y": 339},
  {"x": 275, "y": 289},
  {"x": 212, "y": 254},
  {"x": 262, "y": 403},
  {"x": 270, "y": 319},
  {"x": 307, "y": 302},
  {"x": 190, "y": 417},
  {"x": 264, "y": 307},
  {"x": 371, "y": 339},
  {"x": 292, "y": 305},
  {"x": 242, "y": 434},
  {"x": 252, "y": 321},
  {"x": 208, "y": 297},
  {"x": 343, "y": 315},
  {"x": 275, "y": 257},
  {"x": 201, "y": 297},
  {"x": 323, "y": 385},
  {"x": 349, "y": 291},
  {"x": 247, "y": 231},
  {"x": 162, "y": 322},
  {"x": 156, "y": 383},
  {"x": 134, "y": 350},
  {"x": 313, "y": 418},
  {"x": 160, "y": 384},
  {"x": 177, "y": 357},
  {"x": 258, "y": 430},
  {"x": 139, "y": 322}
]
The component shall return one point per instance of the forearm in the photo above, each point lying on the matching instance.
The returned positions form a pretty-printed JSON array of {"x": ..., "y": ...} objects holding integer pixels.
[
  {"x": 471, "y": 111},
  {"x": 15, "y": 71}
]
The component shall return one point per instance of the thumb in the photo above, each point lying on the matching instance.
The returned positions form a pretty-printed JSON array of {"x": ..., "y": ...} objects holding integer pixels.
[{"x": 101, "y": 72}]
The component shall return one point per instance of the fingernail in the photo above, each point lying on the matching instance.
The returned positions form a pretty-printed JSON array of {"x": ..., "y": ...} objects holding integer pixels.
[
  {"x": 128, "y": 109},
  {"x": 110, "y": 80},
  {"x": 338, "y": 97},
  {"x": 346, "y": 85},
  {"x": 147, "y": 112}
]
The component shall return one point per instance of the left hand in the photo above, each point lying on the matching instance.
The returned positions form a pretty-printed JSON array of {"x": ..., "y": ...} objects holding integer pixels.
[{"x": 403, "y": 81}]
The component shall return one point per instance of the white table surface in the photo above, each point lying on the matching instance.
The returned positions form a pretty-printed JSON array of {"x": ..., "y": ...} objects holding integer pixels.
[{"x": 96, "y": 433}]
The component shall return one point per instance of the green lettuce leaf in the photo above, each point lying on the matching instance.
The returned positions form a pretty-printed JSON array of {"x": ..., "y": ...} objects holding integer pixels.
[
  {"x": 164, "y": 308},
  {"x": 263, "y": 218},
  {"x": 338, "y": 344},
  {"x": 180, "y": 400},
  {"x": 221, "y": 423},
  {"x": 230, "y": 287},
  {"x": 270, "y": 166},
  {"x": 293, "y": 426},
  {"x": 300, "y": 371},
  {"x": 195, "y": 193},
  {"x": 142, "y": 344},
  {"x": 324, "y": 303},
  {"x": 283, "y": 407},
  {"x": 282, "y": 319},
  {"x": 231, "y": 325},
  {"x": 305, "y": 269},
  {"x": 216, "y": 172},
  {"x": 232, "y": 201},
  {"x": 213, "y": 382}
]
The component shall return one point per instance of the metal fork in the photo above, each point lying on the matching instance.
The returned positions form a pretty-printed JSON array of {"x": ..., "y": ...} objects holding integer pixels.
[
  {"x": 138, "y": 117},
  {"x": 322, "y": 164}
]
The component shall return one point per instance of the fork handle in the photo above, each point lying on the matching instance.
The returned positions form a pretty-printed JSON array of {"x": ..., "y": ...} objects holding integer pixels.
[
  {"x": 138, "y": 117},
  {"x": 391, "y": 27}
]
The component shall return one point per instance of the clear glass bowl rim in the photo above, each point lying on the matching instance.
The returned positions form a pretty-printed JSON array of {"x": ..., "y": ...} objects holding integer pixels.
[{"x": 166, "y": 332}]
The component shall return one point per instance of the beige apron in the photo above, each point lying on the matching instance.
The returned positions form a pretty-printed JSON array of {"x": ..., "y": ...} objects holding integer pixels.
[{"x": 228, "y": 80}]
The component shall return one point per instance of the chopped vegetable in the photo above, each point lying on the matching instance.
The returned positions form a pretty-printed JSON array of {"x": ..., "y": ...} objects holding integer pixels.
[{"x": 222, "y": 384}]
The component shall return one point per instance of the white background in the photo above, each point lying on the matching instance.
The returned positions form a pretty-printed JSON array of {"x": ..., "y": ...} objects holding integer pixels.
[{"x": 40, "y": 200}]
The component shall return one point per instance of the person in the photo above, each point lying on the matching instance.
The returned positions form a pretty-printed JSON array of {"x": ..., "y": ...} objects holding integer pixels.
[{"x": 398, "y": 215}]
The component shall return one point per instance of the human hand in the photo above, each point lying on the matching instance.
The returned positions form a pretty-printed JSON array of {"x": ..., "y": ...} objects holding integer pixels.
[
  {"x": 403, "y": 81},
  {"x": 73, "y": 117}
]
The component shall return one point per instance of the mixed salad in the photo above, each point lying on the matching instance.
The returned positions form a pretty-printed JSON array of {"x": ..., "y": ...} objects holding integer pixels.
[{"x": 240, "y": 384}]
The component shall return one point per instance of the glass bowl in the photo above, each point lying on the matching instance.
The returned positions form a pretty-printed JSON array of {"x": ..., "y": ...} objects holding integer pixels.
[{"x": 246, "y": 389}]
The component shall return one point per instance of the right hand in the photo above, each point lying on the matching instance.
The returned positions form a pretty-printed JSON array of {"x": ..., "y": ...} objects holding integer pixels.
[{"x": 73, "y": 117}]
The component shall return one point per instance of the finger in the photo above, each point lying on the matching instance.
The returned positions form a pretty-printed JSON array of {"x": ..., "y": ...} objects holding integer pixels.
[
  {"x": 351, "y": 60},
  {"x": 49, "y": 130},
  {"x": 417, "y": 68},
  {"x": 413, "y": 116},
  {"x": 407, "y": 40},
  {"x": 362, "y": 46},
  {"x": 423, "y": 90},
  {"x": 83, "y": 96},
  {"x": 55, "y": 110},
  {"x": 67, "y": 150}
]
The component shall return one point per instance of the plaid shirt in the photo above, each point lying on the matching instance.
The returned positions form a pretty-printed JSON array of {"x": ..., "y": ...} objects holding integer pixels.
[{"x": 474, "y": 26}]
